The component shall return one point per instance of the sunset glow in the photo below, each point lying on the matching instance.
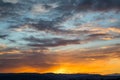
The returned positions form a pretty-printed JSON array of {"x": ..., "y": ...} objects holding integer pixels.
[{"x": 60, "y": 36}]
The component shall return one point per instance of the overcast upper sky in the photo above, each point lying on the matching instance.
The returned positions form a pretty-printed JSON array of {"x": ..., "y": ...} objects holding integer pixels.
[{"x": 60, "y": 36}]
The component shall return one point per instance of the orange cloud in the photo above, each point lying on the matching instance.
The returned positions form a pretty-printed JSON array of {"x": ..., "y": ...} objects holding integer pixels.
[
  {"x": 117, "y": 30},
  {"x": 105, "y": 60},
  {"x": 106, "y": 66}
]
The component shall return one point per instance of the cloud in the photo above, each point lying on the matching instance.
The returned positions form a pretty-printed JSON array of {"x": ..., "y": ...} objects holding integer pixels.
[
  {"x": 32, "y": 59},
  {"x": 44, "y": 25},
  {"x": 43, "y": 8},
  {"x": 116, "y": 30},
  {"x": 36, "y": 42},
  {"x": 98, "y": 35},
  {"x": 49, "y": 27},
  {"x": 3, "y": 36},
  {"x": 3, "y": 46},
  {"x": 90, "y": 54},
  {"x": 98, "y": 4},
  {"x": 8, "y": 50},
  {"x": 49, "y": 62},
  {"x": 94, "y": 5},
  {"x": 39, "y": 8},
  {"x": 11, "y": 1}
]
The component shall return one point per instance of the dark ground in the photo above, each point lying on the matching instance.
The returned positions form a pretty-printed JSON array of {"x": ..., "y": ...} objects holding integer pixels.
[{"x": 50, "y": 76}]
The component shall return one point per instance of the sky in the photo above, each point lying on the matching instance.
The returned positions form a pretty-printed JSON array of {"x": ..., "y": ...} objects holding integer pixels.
[{"x": 60, "y": 36}]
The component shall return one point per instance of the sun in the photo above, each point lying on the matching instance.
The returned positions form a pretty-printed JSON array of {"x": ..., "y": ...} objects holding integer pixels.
[{"x": 60, "y": 70}]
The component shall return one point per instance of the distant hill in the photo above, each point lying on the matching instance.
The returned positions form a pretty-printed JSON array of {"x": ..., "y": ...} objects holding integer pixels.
[{"x": 51, "y": 76}]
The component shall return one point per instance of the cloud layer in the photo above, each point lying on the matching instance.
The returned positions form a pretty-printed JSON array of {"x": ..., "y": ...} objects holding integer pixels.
[{"x": 52, "y": 35}]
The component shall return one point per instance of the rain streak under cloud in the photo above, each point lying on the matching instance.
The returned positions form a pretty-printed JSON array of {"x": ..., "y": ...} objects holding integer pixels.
[{"x": 60, "y": 36}]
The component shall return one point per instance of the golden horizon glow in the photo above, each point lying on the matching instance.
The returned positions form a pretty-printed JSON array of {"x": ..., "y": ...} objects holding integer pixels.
[
  {"x": 89, "y": 61},
  {"x": 102, "y": 67}
]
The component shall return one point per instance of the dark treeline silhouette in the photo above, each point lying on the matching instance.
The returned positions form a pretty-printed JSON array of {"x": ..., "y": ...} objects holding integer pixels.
[{"x": 51, "y": 76}]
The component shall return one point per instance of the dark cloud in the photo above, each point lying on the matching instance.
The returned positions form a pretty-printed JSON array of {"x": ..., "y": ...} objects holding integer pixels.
[
  {"x": 99, "y": 4},
  {"x": 4, "y": 4},
  {"x": 3, "y": 36},
  {"x": 50, "y": 26},
  {"x": 12, "y": 13},
  {"x": 81, "y": 5},
  {"x": 36, "y": 42},
  {"x": 66, "y": 9},
  {"x": 44, "y": 25},
  {"x": 33, "y": 59},
  {"x": 7, "y": 9},
  {"x": 98, "y": 35},
  {"x": 12, "y": 40},
  {"x": 53, "y": 26}
]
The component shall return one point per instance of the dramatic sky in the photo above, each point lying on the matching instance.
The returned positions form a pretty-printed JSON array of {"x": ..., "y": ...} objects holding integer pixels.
[{"x": 60, "y": 36}]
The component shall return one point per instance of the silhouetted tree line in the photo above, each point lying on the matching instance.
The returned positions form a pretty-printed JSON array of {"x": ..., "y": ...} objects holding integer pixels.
[{"x": 51, "y": 76}]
